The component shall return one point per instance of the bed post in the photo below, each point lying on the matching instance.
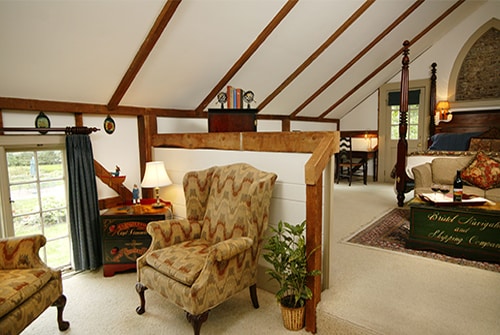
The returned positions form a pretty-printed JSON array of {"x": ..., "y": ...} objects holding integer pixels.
[
  {"x": 403, "y": 125},
  {"x": 432, "y": 104}
]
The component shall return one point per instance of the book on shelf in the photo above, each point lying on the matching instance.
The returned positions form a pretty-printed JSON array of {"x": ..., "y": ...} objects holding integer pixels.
[{"x": 234, "y": 97}]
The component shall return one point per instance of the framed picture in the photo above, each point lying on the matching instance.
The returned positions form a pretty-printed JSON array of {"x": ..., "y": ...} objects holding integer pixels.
[{"x": 42, "y": 121}]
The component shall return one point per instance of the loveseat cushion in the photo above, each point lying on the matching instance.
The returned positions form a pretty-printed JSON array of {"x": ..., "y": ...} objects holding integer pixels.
[
  {"x": 182, "y": 262},
  {"x": 483, "y": 172},
  {"x": 444, "y": 168},
  {"x": 18, "y": 285}
]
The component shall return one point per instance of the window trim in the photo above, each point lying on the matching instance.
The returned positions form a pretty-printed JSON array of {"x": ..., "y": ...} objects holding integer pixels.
[{"x": 20, "y": 142}]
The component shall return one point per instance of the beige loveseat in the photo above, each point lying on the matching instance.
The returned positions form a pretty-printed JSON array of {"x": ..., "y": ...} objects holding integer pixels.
[
  {"x": 442, "y": 170},
  {"x": 27, "y": 285}
]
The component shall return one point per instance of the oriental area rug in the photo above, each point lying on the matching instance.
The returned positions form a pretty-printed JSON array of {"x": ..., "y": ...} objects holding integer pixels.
[{"x": 391, "y": 232}]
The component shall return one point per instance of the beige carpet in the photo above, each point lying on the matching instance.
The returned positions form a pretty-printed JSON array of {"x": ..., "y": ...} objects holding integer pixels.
[{"x": 99, "y": 305}]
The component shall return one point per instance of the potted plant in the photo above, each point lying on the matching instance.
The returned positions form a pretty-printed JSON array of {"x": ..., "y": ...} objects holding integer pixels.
[{"x": 286, "y": 252}]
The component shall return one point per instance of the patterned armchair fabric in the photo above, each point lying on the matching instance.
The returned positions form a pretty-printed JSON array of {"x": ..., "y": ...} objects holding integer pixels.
[
  {"x": 27, "y": 285},
  {"x": 201, "y": 261}
]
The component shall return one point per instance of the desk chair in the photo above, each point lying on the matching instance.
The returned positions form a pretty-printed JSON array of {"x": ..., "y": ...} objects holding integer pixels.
[{"x": 345, "y": 165}]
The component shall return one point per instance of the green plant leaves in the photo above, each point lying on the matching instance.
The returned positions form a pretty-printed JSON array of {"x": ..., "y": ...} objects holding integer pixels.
[{"x": 286, "y": 252}]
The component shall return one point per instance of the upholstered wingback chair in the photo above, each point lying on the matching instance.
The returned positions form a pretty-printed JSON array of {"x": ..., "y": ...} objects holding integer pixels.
[
  {"x": 200, "y": 261},
  {"x": 27, "y": 285}
]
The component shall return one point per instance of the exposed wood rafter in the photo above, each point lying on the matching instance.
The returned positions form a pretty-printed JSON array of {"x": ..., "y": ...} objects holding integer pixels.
[
  {"x": 392, "y": 58},
  {"x": 143, "y": 53},
  {"x": 248, "y": 53},
  {"x": 358, "y": 57},
  {"x": 316, "y": 54},
  {"x": 165, "y": 16}
]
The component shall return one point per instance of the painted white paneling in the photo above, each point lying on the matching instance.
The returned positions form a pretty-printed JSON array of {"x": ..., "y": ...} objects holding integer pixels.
[
  {"x": 312, "y": 126},
  {"x": 168, "y": 125},
  {"x": 289, "y": 194},
  {"x": 268, "y": 125}
]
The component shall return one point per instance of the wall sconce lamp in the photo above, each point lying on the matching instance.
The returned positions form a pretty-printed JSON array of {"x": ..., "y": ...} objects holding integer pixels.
[
  {"x": 442, "y": 108},
  {"x": 156, "y": 176}
]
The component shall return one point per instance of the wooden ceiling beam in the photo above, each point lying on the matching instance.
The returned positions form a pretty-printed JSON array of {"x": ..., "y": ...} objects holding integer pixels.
[
  {"x": 316, "y": 53},
  {"x": 248, "y": 53},
  {"x": 86, "y": 108},
  {"x": 393, "y": 57},
  {"x": 363, "y": 52},
  {"x": 147, "y": 46}
]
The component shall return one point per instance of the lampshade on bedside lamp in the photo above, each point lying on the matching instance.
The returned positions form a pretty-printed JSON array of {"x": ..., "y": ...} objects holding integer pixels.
[{"x": 156, "y": 176}]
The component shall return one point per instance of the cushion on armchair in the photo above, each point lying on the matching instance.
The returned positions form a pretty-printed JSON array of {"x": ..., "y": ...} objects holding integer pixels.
[
  {"x": 20, "y": 284},
  {"x": 182, "y": 262}
]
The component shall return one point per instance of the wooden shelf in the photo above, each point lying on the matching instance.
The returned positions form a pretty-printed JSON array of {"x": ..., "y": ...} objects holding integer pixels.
[{"x": 232, "y": 120}]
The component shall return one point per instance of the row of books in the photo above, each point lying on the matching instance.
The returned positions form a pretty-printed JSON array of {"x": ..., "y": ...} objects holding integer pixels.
[{"x": 234, "y": 97}]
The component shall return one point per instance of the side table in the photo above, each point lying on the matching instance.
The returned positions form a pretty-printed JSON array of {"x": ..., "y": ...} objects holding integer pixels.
[{"x": 124, "y": 235}]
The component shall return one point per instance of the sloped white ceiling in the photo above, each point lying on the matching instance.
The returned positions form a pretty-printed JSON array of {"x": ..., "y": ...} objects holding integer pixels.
[{"x": 78, "y": 50}]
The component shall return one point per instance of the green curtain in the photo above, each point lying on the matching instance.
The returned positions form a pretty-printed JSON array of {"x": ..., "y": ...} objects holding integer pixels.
[
  {"x": 413, "y": 98},
  {"x": 83, "y": 203}
]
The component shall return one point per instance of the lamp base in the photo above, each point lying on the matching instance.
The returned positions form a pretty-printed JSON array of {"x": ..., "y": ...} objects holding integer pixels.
[{"x": 158, "y": 205}]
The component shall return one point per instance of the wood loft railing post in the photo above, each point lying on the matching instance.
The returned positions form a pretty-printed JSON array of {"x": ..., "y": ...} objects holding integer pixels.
[{"x": 314, "y": 217}]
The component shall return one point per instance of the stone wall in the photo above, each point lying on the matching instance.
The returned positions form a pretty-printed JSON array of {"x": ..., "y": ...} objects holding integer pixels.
[{"x": 479, "y": 76}]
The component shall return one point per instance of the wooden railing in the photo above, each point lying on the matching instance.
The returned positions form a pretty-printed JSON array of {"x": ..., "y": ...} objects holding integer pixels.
[
  {"x": 114, "y": 183},
  {"x": 322, "y": 145}
]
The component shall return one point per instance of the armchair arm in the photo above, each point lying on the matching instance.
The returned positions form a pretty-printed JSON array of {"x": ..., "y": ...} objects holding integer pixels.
[
  {"x": 422, "y": 175},
  {"x": 224, "y": 250},
  {"x": 21, "y": 252}
]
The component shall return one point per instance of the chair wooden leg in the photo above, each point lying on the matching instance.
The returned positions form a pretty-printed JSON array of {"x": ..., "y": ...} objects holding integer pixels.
[
  {"x": 253, "y": 295},
  {"x": 365, "y": 173},
  {"x": 140, "y": 288},
  {"x": 197, "y": 320},
  {"x": 60, "y": 303}
]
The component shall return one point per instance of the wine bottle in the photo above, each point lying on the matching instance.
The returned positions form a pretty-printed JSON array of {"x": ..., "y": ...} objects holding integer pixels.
[{"x": 458, "y": 186}]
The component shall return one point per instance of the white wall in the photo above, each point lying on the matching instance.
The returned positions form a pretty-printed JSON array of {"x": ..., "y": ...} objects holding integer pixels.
[{"x": 363, "y": 117}]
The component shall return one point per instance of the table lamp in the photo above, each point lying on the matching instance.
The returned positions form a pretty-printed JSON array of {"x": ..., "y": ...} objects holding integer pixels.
[{"x": 156, "y": 176}]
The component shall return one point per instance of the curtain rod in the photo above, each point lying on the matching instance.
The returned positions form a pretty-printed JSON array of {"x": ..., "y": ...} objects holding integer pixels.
[{"x": 66, "y": 130}]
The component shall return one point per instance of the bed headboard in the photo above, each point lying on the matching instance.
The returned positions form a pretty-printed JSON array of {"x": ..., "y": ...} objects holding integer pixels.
[{"x": 470, "y": 121}]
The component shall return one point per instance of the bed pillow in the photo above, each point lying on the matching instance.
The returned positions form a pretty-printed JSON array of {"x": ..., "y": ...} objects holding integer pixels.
[
  {"x": 452, "y": 141},
  {"x": 484, "y": 144},
  {"x": 482, "y": 172}
]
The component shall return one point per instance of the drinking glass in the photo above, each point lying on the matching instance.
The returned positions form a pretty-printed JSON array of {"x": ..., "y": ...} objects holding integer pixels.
[
  {"x": 435, "y": 188},
  {"x": 444, "y": 189}
]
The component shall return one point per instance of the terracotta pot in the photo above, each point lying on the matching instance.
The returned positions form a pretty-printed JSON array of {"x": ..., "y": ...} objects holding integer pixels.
[{"x": 293, "y": 318}]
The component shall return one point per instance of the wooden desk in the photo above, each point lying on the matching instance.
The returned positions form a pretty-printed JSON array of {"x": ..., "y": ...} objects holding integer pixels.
[{"x": 366, "y": 155}]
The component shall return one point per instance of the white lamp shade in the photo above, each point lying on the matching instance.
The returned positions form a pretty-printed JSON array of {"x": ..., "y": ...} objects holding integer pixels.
[{"x": 155, "y": 175}]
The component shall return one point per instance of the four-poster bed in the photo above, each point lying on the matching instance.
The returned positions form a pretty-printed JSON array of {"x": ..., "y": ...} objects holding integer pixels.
[{"x": 465, "y": 133}]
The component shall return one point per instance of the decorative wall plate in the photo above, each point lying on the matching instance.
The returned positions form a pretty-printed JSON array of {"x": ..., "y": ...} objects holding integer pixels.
[
  {"x": 42, "y": 121},
  {"x": 109, "y": 125}
]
